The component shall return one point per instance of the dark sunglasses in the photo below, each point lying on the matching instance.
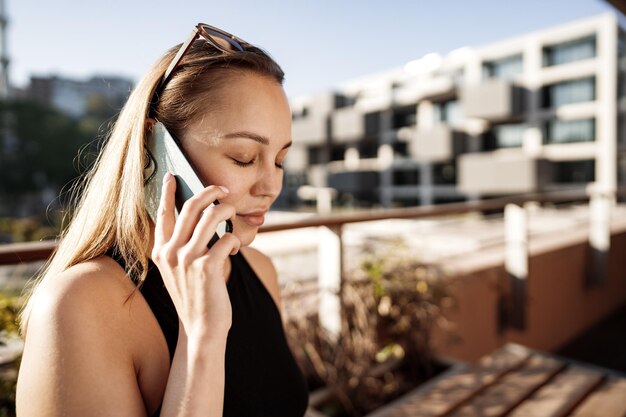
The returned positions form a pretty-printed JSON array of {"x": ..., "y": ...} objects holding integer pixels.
[{"x": 220, "y": 39}]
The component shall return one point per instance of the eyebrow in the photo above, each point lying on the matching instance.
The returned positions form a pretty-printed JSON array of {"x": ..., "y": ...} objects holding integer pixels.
[{"x": 257, "y": 138}]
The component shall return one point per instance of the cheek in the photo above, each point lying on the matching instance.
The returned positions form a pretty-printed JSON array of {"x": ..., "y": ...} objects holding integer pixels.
[
  {"x": 228, "y": 179},
  {"x": 238, "y": 190},
  {"x": 233, "y": 197}
]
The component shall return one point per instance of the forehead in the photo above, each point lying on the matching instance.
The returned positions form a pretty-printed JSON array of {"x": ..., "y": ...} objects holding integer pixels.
[{"x": 246, "y": 102}]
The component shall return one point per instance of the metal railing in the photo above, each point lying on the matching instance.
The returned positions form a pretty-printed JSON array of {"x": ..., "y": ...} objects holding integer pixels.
[
  {"x": 332, "y": 264},
  {"x": 15, "y": 253}
]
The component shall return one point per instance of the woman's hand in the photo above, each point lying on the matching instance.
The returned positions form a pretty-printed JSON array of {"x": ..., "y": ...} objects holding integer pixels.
[{"x": 195, "y": 275}]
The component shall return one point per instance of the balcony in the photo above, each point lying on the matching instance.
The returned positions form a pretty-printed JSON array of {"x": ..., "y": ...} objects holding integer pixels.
[
  {"x": 436, "y": 88},
  {"x": 439, "y": 143},
  {"x": 310, "y": 130},
  {"x": 310, "y": 127},
  {"x": 494, "y": 100},
  {"x": 348, "y": 125},
  {"x": 501, "y": 172}
]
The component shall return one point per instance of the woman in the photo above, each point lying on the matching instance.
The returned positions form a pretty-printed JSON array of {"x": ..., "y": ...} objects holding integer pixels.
[{"x": 133, "y": 318}]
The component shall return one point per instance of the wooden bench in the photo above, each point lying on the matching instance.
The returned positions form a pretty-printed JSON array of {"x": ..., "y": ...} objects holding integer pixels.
[{"x": 518, "y": 382}]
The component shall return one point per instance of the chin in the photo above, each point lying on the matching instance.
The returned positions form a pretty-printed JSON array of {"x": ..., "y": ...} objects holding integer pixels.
[
  {"x": 246, "y": 237},
  {"x": 246, "y": 242}
]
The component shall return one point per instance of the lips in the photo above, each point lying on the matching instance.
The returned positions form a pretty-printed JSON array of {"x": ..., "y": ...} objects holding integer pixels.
[{"x": 254, "y": 218}]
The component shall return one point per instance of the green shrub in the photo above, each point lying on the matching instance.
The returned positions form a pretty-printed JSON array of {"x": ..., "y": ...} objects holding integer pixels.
[
  {"x": 389, "y": 308},
  {"x": 9, "y": 309},
  {"x": 26, "y": 229}
]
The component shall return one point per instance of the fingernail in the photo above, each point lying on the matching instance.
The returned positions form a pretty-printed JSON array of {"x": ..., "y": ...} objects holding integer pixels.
[
  {"x": 226, "y": 190},
  {"x": 167, "y": 177}
]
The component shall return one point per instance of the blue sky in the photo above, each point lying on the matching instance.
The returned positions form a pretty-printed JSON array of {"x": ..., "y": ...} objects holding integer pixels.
[{"x": 318, "y": 43}]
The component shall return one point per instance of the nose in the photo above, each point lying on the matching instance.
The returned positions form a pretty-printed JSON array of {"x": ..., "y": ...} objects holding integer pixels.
[{"x": 269, "y": 181}]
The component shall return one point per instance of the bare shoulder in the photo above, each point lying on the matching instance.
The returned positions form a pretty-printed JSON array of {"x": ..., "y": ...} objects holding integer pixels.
[
  {"x": 77, "y": 351},
  {"x": 91, "y": 288},
  {"x": 264, "y": 268}
]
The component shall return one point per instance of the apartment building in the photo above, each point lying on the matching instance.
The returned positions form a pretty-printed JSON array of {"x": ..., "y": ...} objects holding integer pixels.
[
  {"x": 539, "y": 112},
  {"x": 74, "y": 97}
]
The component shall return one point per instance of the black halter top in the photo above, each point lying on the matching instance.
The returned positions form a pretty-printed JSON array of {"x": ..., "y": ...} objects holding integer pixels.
[{"x": 262, "y": 376}]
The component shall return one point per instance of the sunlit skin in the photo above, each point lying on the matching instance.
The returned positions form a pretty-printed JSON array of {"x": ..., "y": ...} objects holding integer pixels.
[
  {"x": 114, "y": 354},
  {"x": 241, "y": 144}
]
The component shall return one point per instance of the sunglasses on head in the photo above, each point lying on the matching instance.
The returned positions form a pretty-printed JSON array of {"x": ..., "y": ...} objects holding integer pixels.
[{"x": 218, "y": 38}]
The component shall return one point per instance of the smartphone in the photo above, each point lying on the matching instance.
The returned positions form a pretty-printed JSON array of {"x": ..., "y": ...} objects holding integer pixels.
[{"x": 165, "y": 154}]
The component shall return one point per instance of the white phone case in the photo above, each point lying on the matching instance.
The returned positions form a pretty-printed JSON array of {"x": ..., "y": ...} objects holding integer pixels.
[{"x": 167, "y": 156}]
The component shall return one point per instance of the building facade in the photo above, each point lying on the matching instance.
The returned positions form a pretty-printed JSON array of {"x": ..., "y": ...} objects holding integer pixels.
[
  {"x": 539, "y": 112},
  {"x": 78, "y": 97}
]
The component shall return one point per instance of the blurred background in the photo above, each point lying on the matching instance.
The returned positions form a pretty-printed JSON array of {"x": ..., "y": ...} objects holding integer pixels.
[{"x": 457, "y": 176}]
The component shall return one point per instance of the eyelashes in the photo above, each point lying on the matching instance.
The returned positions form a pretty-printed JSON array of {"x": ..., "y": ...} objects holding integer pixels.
[
  {"x": 241, "y": 163},
  {"x": 245, "y": 164}
]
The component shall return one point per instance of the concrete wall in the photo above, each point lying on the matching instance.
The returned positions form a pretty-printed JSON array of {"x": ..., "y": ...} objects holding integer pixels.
[{"x": 559, "y": 305}]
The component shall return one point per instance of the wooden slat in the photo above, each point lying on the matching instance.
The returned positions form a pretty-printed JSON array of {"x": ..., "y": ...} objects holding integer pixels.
[
  {"x": 519, "y": 382},
  {"x": 454, "y": 390},
  {"x": 561, "y": 395},
  {"x": 608, "y": 400},
  {"x": 512, "y": 389}
]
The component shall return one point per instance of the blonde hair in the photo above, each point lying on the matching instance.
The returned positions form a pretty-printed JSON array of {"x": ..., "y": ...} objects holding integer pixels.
[{"x": 109, "y": 210}]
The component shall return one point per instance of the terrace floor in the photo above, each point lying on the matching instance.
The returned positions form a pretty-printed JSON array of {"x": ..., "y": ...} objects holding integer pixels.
[
  {"x": 603, "y": 345},
  {"x": 519, "y": 382}
]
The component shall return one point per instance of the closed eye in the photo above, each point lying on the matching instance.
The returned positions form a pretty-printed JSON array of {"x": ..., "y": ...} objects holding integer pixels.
[
  {"x": 249, "y": 163},
  {"x": 242, "y": 163}
]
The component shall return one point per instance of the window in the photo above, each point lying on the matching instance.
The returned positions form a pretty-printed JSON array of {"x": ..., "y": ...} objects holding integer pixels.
[
  {"x": 400, "y": 148},
  {"x": 621, "y": 170},
  {"x": 568, "y": 172},
  {"x": 503, "y": 68},
  {"x": 569, "y": 131},
  {"x": 406, "y": 201},
  {"x": 317, "y": 155},
  {"x": 509, "y": 135},
  {"x": 406, "y": 176},
  {"x": 337, "y": 152},
  {"x": 361, "y": 185},
  {"x": 488, "y": 141},
  {"x": 449, "y": 112},
  {"x": 300, "y": 113},
  {"x": 295, "y": 180},
  {"x": 342, "y": 101},
  {"x": 367, "y": 149},
  {"x": 572, "y": 51},
  {"x": 449, "y": 199},
  {"x": 444, "y": 174},
  {"x": 568, "y": 92},
  {"x": 405, "y": 116},
  {"x": 621, "y": 129},
  {"x": 372, "y": 125}
]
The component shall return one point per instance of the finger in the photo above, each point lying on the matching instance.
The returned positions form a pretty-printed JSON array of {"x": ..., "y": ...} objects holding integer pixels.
[
  {"x": 206, "y": 228},
  {"x": 165, "y": 219},
  {"x": 191, "y": 211},
  {"x": 228, "y": 244}
]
